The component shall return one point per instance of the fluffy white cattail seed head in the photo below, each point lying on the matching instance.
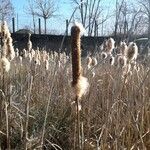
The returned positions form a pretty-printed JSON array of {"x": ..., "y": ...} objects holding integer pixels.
[
  {"x": 110, "y": 45},
  {"x": 29, "y": 44},
  {"x": 46, "y": 64},
  {"x": 24, "y": 53},
  {"x": 4, "y": 64},
  {"x": 80, "y": 26},
  {"x": 122, "y": 61},
  {"x": 89, "y": 62},
  {"x": 17, "y": 52},
  {"x": 11, "y": 52},
  {"x": 123, "y": 48},
  {"x": 81, "y": 87},
  {"x": 132, "y": 51},
  {"x": 32, "y": 52}
]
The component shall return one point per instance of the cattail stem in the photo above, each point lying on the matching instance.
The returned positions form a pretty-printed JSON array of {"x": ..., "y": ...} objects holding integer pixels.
[
  {"x": 7, "y": 126},
  {"x": 78, "y": 125},
  {"x": 27, "y": 113}
]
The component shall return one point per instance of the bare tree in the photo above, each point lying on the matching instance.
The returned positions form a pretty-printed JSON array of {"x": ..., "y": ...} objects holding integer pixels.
[
  {"x": 45, "y": 9},
  {"x": 145, "y": 6},
  {"x": 128, "y": 19},
  {"x": 136, "y": 19},
  {"x": 90, "y": 14},
  {"x": 6, "y": 9},
  {"x": 31, "y": 11},
  {"x": 117, "y": 15}
]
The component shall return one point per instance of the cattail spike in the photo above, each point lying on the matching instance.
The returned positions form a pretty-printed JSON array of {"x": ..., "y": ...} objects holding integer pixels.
[
  {"x": 76, "y": 54},
  {"x": 79, "y": 83}
]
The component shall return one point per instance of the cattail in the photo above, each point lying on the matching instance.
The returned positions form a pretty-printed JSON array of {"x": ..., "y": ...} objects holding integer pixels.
[
  {"x": 4, "y": 64},
  {"x": 132, "y": 51},
  {"x": 43, "y": 56},
  {"x": 110, "y": 45},
  {"x": 32, "y": 53},
  {"x": 20, "y": 60},
  {"x": 47, "y": 56},
  {"x": 24, "y": 53},
  {"x": 11, "y": 52},
  {"x": 122, "y": 61},
  {"x": 4, "y": 49},
  {"x": 59, "y": 64},
  {"x": 29, "y": 57},
  {"x": 37, "y": 60},
  {"x": 29, "y": 44},
  {"x": 76, "y": 54},
  {"x": 123, "y": 48},
  {"x": 4, "y": 30},
  {"x": 46, "y": 64},
  {"x": 79, "y": 82},
  {"x": 17, "y": 52},
  {"x": 37, "y": 57},
  {"x": 81, "y": 87},
  {"x": 7, "y": 49},
  {"x": 89, "y": 62},
  {"x": 55, "y": 55}
]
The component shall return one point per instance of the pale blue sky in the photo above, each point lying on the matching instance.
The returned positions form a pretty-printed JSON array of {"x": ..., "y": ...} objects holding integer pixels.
[
  {"x": 25, "y": 19},
  {"x": 65, "y": 10}
]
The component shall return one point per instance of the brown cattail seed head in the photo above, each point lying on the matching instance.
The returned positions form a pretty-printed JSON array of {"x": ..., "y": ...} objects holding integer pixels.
[
  {"x": 79, "y": 83},
  {"x": 76, "y": 54}
]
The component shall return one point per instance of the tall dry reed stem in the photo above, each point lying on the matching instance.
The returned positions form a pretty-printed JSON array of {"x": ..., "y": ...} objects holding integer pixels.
[
  {"x": 47, "y": 107},
  {"x": 7, "y": 126},
  {"x": 30, "y": 80}
]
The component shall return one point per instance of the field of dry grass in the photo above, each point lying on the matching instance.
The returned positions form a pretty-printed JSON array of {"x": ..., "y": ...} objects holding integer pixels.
[
  {"x": 38, "y": 107},
  {"x": 115, "y": 112}
]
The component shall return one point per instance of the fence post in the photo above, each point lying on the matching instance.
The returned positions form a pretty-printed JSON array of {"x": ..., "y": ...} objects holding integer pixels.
[
  {"x": 13, "y": 24},
  {"x": 39, "y": 26},
  {"x": 67, "y": 24}
]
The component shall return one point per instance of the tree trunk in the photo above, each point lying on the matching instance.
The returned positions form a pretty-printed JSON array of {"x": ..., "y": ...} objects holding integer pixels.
[
  {"x": 82, "y": 11},
  {"x": 34, "y": 23},
  {"x": 116, "y": 27},
  {"x": 45, "y": 24}
]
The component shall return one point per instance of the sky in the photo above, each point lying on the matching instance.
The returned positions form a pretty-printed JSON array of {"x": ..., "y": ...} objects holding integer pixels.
[
  {"x": 56, "y": 25},
  {"x": 24, "y": 19}
]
